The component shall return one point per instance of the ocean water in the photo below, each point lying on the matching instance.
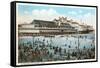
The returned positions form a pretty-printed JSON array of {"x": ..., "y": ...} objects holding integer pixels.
[{"x": 83, "y": 40}]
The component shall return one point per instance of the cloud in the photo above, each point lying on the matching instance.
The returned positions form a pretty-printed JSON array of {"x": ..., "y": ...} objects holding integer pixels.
[
  {"x": 45, "y": 14},
  {"x": 24, "y": 19},
  {"x": 50, "y": 14},
  {"x": 88, "y": 18},
  {"x": 75, "y": 12}
]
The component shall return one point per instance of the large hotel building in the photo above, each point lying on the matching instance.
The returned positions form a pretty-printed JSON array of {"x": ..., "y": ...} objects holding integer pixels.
[{"x": 55, "y": 27}]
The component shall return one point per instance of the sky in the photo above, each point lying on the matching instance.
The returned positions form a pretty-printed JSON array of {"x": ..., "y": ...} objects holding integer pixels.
[{"x": 26, "y": 13}]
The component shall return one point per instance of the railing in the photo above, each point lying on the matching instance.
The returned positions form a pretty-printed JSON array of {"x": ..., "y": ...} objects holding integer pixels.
[{"x": 47, "y": 28}]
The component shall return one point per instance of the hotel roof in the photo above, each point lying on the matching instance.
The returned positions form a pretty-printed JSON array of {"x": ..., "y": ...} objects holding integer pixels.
[{"x": 42, "y": 21}]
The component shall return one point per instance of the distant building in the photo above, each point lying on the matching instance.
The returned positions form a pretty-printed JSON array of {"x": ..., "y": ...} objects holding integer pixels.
[{"x": 57, "y": 26}]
